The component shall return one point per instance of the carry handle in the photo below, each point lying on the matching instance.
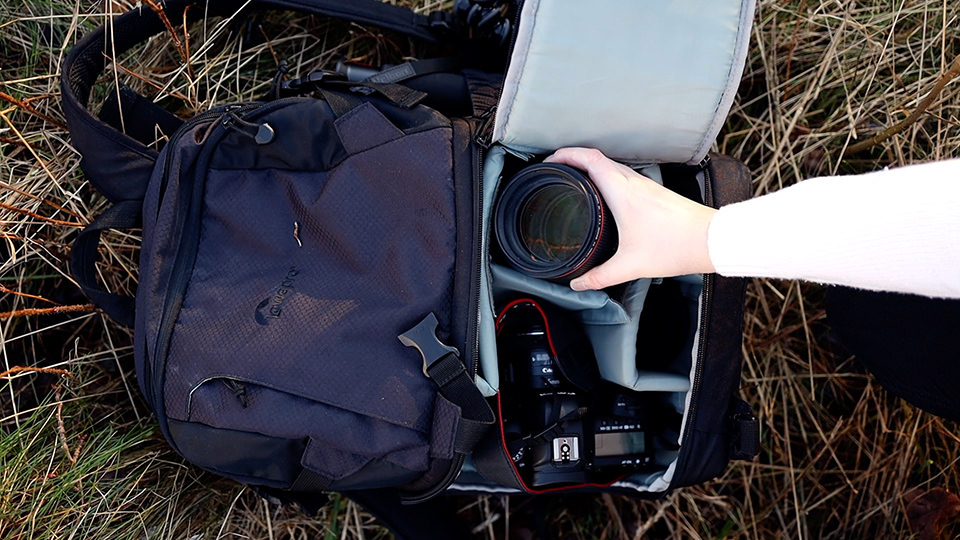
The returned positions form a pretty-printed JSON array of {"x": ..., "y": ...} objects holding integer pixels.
[
  {"x": 83, "y": 258},
  {"x": 342, "y": 103},
  {"x": 118, "y": 165}
]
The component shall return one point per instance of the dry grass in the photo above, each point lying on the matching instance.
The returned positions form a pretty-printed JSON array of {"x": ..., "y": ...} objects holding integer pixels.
[{"x": 81, "y": 458}]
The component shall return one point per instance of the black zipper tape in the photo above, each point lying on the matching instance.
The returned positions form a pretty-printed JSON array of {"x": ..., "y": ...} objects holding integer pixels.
[
  {"x": 151, "y": 391},
  {"x": 702, "y": 327}
]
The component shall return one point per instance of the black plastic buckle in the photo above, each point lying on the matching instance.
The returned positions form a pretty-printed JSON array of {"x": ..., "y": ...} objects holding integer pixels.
[{"x": 423, "y": 337}]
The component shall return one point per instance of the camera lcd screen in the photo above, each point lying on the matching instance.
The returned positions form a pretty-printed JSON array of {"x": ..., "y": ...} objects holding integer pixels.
[{"x": 619, "y": 444}]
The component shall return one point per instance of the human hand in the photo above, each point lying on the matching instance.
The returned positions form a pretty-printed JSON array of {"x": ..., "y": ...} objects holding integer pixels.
[{"x": 662, "y": 234}]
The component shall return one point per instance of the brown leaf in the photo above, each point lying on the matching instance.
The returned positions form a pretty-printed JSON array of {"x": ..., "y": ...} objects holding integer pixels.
[{"x": 928, "y": 512}]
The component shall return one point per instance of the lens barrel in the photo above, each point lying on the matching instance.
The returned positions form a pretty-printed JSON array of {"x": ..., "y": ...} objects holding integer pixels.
[{"x": 551, "y": 223}]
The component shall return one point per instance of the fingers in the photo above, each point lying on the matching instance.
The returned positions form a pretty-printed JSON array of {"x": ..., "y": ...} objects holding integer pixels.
[
  {"x": 592, "y": 161},
  {"x": 614, "y": 271},
  {"x": 625, "y": 192},
  {"x": 610, "y": 177}
]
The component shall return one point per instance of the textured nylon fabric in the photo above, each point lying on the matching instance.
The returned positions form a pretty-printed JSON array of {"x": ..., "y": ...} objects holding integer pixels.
[
  {"x": 159, "y": 248},
  {"x": 377, "y": 255},
  {"x": 311, "y": 260}
]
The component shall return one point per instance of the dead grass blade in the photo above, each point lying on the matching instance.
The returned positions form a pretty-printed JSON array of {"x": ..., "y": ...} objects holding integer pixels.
[
  {"x": 922, "y": 107},
  {"x": 839, "y": 452},
  {"x": 56, "y": 310},
  {"x": 29, "y": 108}
]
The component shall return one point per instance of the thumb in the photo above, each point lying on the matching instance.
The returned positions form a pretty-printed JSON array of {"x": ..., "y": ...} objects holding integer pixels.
[{"x": 616, "y": 270}]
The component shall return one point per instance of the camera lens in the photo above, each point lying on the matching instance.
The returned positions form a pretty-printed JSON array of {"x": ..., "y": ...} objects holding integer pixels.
[
  {"x": 554, "y": 223},
  {"x": 551, "y": 223}
]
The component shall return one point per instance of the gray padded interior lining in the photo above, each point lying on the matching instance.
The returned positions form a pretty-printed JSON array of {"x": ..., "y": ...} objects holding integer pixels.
[
  {"x": 611, "y": 327},
  {"x": 656, "y": 88},
  {"x": 642, "y": 81}
]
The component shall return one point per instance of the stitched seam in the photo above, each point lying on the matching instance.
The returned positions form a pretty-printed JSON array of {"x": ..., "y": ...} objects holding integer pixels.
[
  {"x": 520, "y": 70},
  {"x": 726, "y": 97}
]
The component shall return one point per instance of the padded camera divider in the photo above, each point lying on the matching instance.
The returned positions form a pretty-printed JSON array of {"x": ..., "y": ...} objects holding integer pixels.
[
  {"x": 610, "y": 326},
  {"x": 499, "y": 281},
  {"x": 642, "y": 81},
  {"x": 509, "y": 281}
]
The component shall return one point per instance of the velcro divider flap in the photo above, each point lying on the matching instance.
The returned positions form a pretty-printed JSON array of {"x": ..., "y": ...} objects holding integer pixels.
[{"x": 642, "y": 81}]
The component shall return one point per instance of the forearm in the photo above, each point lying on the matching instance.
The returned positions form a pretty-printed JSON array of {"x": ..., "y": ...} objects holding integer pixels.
[{"x": 894, "y": 230}]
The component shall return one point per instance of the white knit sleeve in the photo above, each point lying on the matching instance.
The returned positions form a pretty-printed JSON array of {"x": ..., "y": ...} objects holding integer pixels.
[{"x": 893, "y": 230}]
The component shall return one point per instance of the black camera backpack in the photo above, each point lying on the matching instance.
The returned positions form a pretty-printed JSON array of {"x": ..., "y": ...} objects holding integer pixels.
[{"x": 316, "y": 298}]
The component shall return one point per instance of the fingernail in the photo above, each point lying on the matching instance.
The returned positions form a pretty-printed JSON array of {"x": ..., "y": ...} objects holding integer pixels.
[{"x": 578, "y": 285}]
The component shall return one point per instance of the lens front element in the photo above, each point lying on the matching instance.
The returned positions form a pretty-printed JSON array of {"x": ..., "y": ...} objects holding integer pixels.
[
  {"x": 551, "y": 223},
  {"x": 554, "y": 222}
]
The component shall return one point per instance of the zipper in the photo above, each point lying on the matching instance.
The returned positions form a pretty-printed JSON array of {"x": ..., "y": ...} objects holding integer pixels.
[
  {"x": 260, "y": 133},
  {"x": 704, "y": 317},
  {"x": 478, "y": 253},
  {"x": 150, "y": 388},
  {"x": 189, "y": 239},
  {"x": 237, "y": 389},
  {"x": 703, "y": 165},
  {"x": 484, "y": 136},
  {"x": 180, "y": 270},
  {"x": 206, "y": 115},
  {"x": 473, "y": 334}
]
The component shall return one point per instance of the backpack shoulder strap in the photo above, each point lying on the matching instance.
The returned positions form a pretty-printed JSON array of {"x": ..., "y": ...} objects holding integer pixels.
[
  {"x": 375, "y": 12},
  {"x": 116, "y": 162},
  {"x": 83, "y": 259}
]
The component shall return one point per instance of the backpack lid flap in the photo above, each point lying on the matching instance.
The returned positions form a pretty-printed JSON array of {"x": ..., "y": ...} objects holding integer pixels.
[{"x": 642, "y": 81}]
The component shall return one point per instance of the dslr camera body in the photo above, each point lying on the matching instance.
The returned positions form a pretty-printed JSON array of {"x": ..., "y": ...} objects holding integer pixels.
[
  {"x": 543, "y": 416},
  {"x": 621, "y": 435},
  {"x": 557, "y": 429}
]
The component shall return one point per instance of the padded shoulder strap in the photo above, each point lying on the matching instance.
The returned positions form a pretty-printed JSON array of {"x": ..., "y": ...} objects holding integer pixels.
[
  {"x": 119, "y": 165},
  {"x": 83, "y": 259}
]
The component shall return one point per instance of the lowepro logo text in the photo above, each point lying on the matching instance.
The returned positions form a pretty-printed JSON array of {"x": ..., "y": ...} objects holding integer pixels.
[{"x": 272, "y": 306}]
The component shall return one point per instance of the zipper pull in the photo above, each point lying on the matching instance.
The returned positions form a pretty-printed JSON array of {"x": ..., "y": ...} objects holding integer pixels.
[
  {"x": 485, "y": 130},
  {"x": 261, "y": 133},
  {"x": 238, "y": 390}
]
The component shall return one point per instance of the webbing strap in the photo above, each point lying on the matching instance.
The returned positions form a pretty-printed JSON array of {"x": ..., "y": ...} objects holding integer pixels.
[
  {"x": 119, "y": 165},
  {"x": 309, "y": 481},
  {"x": 416, "y": 68},
  {"x": 458, "y": 387}
]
